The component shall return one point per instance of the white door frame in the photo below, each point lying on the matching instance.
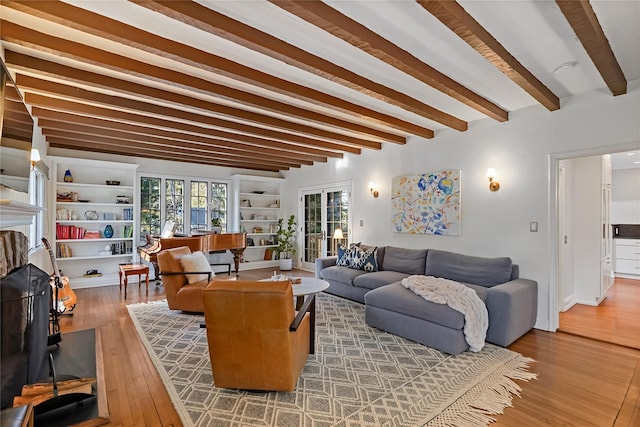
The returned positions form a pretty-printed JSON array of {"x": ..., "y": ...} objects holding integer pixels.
[
  {"x": 553, "y": 320},
  {"x": 322, "y": 188}
]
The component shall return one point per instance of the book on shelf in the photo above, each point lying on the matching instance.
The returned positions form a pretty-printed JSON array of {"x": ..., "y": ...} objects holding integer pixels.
[
  {"x": 122, "y": 248},
  {"x": 127, "y": 231},
  {"x": 69, "y": 232},
  {"x": 127, "y": 214},
  {"x": 63, "y": 251},
  {"x": 91, "y": 234}
]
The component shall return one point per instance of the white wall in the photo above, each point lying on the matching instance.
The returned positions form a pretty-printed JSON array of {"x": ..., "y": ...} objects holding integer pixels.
[{"x": 493, "y": 224}]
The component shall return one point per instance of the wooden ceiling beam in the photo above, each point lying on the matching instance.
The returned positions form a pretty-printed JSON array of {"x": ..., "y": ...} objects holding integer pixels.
[
  {"x": 150, "y": 144},
  {"x": 339, "y": 25},
  {"x": 32, "y": 39},
  {"x": 585, "y": 24},
  {"x": 243, "y": 132},
  {"x": 242, "y": 34},
  {"x": 141, "y": 144},
  {"x": 56, "y": 142},
  {"x": 454, "y": 17},
  {"x": 39, "y": 66},
  {"x": 130, "y": 117},
  {"x": 111, "y": 29},
  {"x": 91, "y": 126}
]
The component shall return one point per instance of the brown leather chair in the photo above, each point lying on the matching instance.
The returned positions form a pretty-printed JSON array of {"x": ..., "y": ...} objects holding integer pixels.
[
  {"x": 180, "y": 294},
  {"x": 256, "y": 339}
]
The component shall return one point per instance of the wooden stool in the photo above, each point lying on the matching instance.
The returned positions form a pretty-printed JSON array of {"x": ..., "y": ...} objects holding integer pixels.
[{"x": 132, "y": 269}]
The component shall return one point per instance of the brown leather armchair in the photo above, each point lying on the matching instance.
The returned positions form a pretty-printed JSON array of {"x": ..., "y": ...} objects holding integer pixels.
[
  {"x": 256, "y": 339},
  {"x": 181, "y": 295}
]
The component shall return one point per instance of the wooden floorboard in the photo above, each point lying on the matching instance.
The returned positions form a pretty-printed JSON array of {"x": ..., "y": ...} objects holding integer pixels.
[
  {"x": 615, "y": 320},
  {"x": 581, "y": 381}
]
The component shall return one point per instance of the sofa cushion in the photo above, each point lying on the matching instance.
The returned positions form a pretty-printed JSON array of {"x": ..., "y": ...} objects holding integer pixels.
[
  {"x": 341, "y": 274},
  {"x": 397, "y": 298},
  {"x": 364, "y": 259},
  {"x": 377, "y": 279},
  {"x": 408, "y": 261},
  {"x": 468, "y": 269}
]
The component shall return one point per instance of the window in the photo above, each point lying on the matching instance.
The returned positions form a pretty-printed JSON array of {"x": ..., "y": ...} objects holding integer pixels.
[
  {"x": 219, "y": 205},
  {"x": 174, "y": 202},
  {"x": 149, "y": 207},
  {"x": 198, "y": 205},
  {"x": 169, "y": 198},
  {"x": 37, "y": 184}
]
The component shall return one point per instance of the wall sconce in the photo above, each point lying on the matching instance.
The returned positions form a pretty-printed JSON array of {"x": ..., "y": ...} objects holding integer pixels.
[
  {"x": 373, "y": 189},
  {"x": 35, "y": 157},
  {"x": 493, "y": 185}
]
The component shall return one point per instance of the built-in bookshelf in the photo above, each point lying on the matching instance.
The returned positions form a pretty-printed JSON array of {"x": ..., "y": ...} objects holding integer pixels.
[
  {"x": 95, "y": 219},
  {"x": 257, "y": 210}
]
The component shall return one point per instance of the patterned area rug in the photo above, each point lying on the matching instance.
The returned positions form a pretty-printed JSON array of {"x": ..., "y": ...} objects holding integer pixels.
[{"x": 359, "y": 376}]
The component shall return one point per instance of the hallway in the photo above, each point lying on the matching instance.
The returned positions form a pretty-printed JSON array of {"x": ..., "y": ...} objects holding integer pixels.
[{"x": 615, "y": 320}]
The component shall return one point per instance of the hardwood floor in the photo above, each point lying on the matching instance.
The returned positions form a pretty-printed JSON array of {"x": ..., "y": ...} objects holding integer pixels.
[
  {"x": 581, "y": 382},
  {"x": 615, "y": 320}
]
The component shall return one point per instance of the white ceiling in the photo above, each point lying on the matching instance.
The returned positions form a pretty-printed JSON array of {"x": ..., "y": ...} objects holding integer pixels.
[
  {"x": 536, "y": 33},
  {"x": 626, "y": 160}
]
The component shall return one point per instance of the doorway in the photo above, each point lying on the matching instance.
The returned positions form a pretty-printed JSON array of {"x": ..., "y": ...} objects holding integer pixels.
[
  {"x": 326, "y": 223},
  {"x": 612, "y": 313}
]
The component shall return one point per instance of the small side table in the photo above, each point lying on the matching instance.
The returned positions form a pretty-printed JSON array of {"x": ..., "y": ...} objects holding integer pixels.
[{"x": 126, "y": 270}]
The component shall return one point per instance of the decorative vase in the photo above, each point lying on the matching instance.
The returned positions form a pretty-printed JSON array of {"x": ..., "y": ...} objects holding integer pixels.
[
  {"x": 286, "y": 264},
  {"x": 108, "y": 231},
  {"x": 67, "y": 176}
]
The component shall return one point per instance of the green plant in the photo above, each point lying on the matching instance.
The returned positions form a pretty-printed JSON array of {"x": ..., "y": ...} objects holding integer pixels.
[{"x": 285, "y": 235}]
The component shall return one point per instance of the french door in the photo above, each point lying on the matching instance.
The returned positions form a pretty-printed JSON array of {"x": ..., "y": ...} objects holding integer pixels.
[{"x": 326, "y": 222}]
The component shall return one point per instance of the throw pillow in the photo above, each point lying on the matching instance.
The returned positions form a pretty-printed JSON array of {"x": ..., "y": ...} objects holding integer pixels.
[
  {"x": 365, "y": 259},
  {"x": 345, "y": 254},
  {"x": 196, "y": 262}
]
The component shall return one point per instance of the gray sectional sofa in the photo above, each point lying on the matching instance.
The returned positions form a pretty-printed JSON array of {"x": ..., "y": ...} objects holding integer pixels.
[{"x": 511, "y": 302}]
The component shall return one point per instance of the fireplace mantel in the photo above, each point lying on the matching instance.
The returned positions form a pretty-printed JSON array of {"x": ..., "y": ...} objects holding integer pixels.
[{"x": 14, "y": 213}]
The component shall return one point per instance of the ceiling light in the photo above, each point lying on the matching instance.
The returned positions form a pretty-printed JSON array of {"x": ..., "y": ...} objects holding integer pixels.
[
  {"x": 565, "y": 67},
  {"x": 631, "y": 154}
]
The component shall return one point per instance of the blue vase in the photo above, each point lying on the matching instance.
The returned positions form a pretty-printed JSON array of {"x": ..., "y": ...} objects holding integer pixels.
[
  {"x": 67, "y": 176},
  {"x": 108, "y": 231}
]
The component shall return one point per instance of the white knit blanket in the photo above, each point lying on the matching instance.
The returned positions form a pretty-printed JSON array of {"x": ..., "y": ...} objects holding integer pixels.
[{"x": 460, "y": 298}]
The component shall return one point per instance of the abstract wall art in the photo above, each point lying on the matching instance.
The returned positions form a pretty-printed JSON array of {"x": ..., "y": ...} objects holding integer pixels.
[{"x": 427, "y": 203}]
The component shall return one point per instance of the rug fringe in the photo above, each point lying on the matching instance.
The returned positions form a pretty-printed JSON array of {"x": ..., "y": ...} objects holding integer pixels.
[{"x": 489, "y": 397}]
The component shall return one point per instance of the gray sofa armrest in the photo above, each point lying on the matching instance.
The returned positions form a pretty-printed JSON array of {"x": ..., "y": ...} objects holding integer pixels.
[
  {"x": 322, "y": 263},
  {"x": 512, "y": 308}
]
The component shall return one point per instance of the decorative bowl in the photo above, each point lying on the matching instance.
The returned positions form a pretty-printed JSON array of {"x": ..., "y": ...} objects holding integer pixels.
[{"x": 123, "y": 199}]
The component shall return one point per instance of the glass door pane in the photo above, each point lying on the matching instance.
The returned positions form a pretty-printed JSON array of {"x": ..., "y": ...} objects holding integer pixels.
[
  {"x": 337, "y": 222},
  {"x": 325, "y": 223},
  {"x": 313, "y": 237}
]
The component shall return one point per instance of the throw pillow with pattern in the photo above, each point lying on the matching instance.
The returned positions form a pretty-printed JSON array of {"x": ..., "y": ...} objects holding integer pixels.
[
  {"x": 345, "y": 255},
  {"x": 365, "y": 259}
]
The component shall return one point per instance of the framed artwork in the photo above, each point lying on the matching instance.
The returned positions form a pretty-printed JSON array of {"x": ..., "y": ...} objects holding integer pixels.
[{"x": 427, "y": 203}]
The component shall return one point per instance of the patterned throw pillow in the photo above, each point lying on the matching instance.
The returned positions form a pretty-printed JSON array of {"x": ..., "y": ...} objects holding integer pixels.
[
  {"x": 345, "y": 255},
  {"x": 365, "y": 259}
]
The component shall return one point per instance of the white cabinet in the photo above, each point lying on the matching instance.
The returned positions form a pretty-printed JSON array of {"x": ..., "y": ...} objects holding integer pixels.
[
  {"x": 628, "y": 258},
  {"x": 94, "y": 219},
  {"x": 256, "y": 203}
]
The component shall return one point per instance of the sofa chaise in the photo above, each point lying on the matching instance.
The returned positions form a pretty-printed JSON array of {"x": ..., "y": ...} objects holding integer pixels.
[{"x": 511, "y": 301}]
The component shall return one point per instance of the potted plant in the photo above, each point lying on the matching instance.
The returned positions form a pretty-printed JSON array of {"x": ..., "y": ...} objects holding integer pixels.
[{"x": 286, "y": 244}]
